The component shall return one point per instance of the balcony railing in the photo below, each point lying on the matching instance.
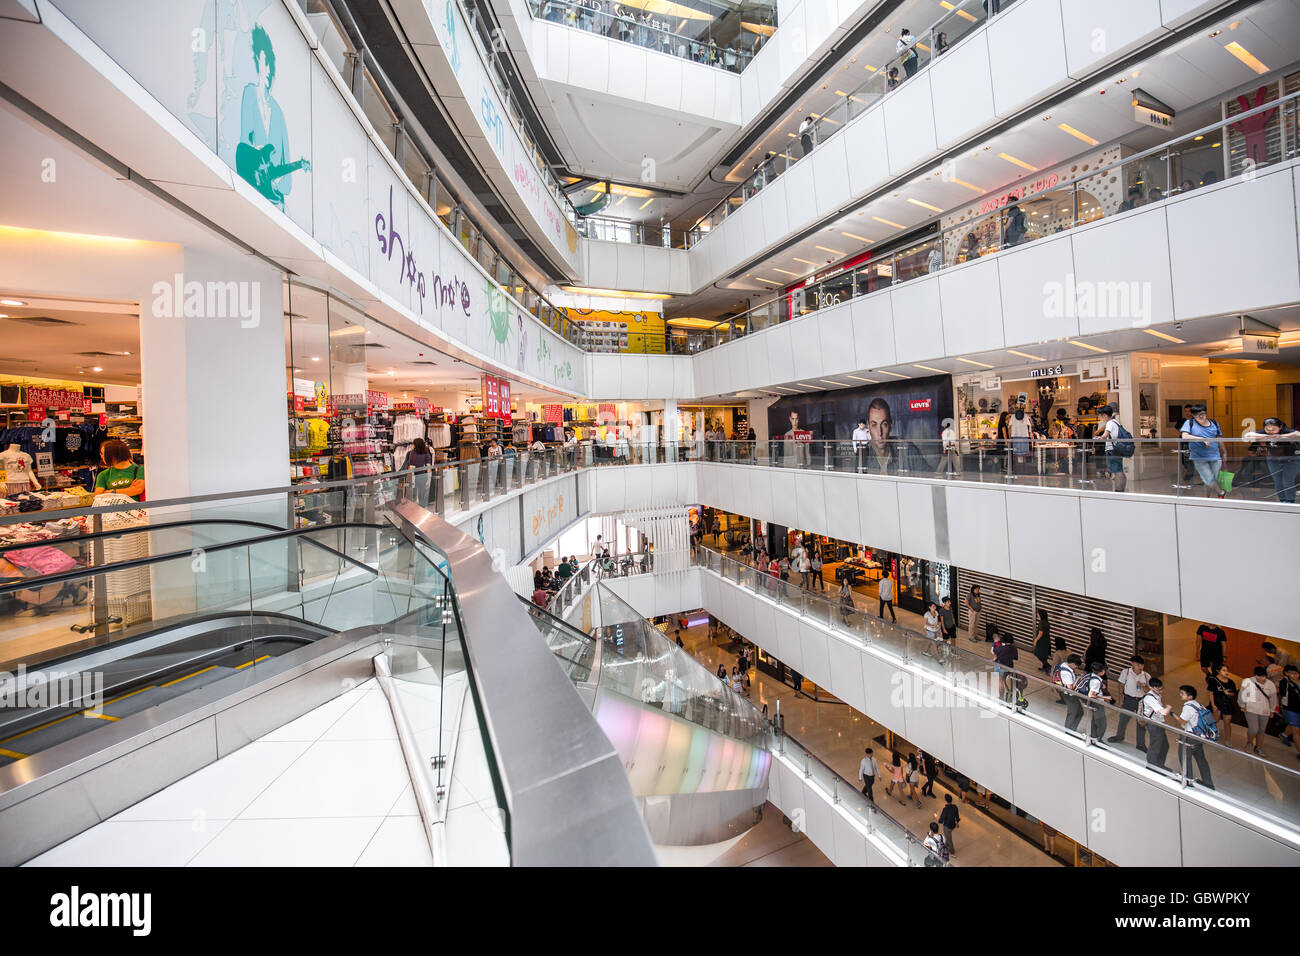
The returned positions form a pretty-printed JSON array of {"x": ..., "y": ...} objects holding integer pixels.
[
  {"x": 910, "y": 58},
  {"x": 729, "y": 45}
]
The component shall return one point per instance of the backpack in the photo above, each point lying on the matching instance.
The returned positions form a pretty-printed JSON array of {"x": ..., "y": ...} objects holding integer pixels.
[
  {"x": 1124, "y": 446},
  {"x": 1206, "y": 728},
  {"x": 944, "y": 852},
  {"x": 1081, "y": 683},
  {"x": 1056, "y": 673}
]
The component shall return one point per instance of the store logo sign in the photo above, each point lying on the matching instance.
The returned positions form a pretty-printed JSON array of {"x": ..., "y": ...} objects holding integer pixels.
[
  {"x": 919, "y": 405},
  {"x": 208, "y": 300},
  {"x": 1046, "y": 372}
]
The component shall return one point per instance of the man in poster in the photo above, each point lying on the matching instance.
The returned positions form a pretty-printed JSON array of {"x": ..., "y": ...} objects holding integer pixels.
[
  {"x": 884, "y": 454},
  {"x": 797, "y": 444}
]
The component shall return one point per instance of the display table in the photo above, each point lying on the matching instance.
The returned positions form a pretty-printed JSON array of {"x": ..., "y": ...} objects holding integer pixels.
[{"x": 1041, "y": 449}]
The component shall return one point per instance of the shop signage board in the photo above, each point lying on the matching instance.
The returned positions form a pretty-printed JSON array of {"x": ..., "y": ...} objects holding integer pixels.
[
  {"x": 553, "y": 413},
  {"x": 43, "y": 398},
  {"x": 1047, "y": 372},
  {"x": 1152, "y": 117},
  {"x": 1259, "y": 343},
  {"x": 376, "y": 399},
  {"x": 491, "y": 396}
]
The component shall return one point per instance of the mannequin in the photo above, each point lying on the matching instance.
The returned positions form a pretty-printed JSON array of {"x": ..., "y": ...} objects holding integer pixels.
[{"x": 19, "y": 476}]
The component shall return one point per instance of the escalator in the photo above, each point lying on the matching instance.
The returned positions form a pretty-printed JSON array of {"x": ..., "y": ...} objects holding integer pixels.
[
  {"x": 128, "y": 678},
  {"x": 696, "y": 754}
]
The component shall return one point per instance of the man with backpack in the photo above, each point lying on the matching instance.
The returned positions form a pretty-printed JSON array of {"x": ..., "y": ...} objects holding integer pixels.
[
  {"x": 1199, "y": 722},
  {"x": 938, "y": 848},
  {"x": 1119, "y": 445},
  {"x": 1153, "y": 709},
  {"x": 948, "y": 819},
  {"x": 1066, "y": 675},
  {"x": 1093, "y": 685}
]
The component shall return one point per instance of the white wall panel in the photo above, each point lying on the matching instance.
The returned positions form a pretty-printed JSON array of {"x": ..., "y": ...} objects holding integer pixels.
[
  {"x": 830, "y": 175},
  {"x": 872, "y": 318},
  {"x": 850, "y": 844},
  {"x": 1268, "y": 541},
  {"x": 1210, "y": 839},
  {"x": 684, "y": 377},
  {"x": 916, "y": 520},
  {"x": 808, "y": 354},
  {"x": 841, "y": 502},
  {"x": 760, "y": 484},
  {"x": 1127, "y": 263},
  {"x": 816, "y": 656},
  {"x": 1024, "y": 275},
  {"x": 846, "y": 673},
  {"x": 1023, "y": 71},
  {"x": 810, "y": 501},
  {"x": 962, "y": 90},
  {"x": 977, "y": 529},
  {"x": 1100, "y": 31},
  {"x": 780, "y": 357},
  {"x": 784, "y": 510},
  {"x": 1131, "y": 822},
  {"x": 880, "y": 686},
  {"x": 627, "y": 75},
  {"x": 918, "y": 326},
  {"x": 817, "y": 816},
  {"x": 909, "y": 123},
  {"x": 659, "y": 381},
  {"x": 800, "y": 196},
  {"x": 929, "y": 726},
  {"x": 1045, "y": 540},
  {"x": 588, "y": 62},
  {"x": 837, "y": 351},
  {"x": 981, "y": 748},
  {"x": 1048, "y": 775},
  {"x": 789, "y": 643},
  {"x": 878, "y": 515},
  {"x": 1130, "y": 552},
  {"x": 631, "y": 265},
  {"x": 864, "y": 140},
  {"x": 971, "y": 306},
  {"x": 664, "y": 83},
  {"x": 635, "y": 376},
  {"x": 1266, "y": 251}
]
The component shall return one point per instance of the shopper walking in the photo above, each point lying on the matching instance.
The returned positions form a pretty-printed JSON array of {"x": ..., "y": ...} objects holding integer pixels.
[
  {"x": 1043, "y": 642},
  {"x": 1096, "y": 650},
  {"x": 974, "y": 605},
  {"x": 1202, "y": 435},
  {"x": 938, "y": 850},
  {"x": 914, "y": 779},
  {"x": 1114, "y": 462},
  {"x": 1154, "y": 710},
  {"x": 949, "y": 818},
  {"x": 1066, "y": 675},
  {"x": 804, "y": 566},
  {"x": 1258, "y": 700},
  {"x": 933, "y": 625},
  {"x": 420, "y": 458},
  {"x": 1134, "y": 680},
  {"x": 897, "y": 777},
  {"x": 1005, "y": 655},
  {"x": 885, "y": 591},
  {"x": 1094, "y": 686},
  {"x": 816, "y": 565},
  {"x": 1223, "y": 700},
  {"x": 1214, "y": 644},
  {"x": 1288, "y": 701},
  {"x": 847, "y": 607},
  {"x": 947, "y": 620},
  {"x": 906, "y": 49},
  {"x": 868, "y": 771},
  {"x": 931, "y": 771},
  {"x": 1199, "y": 723}
]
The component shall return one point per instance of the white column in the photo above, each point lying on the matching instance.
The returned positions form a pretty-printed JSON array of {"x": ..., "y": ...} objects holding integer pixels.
[{"x": 213, "y": 371}]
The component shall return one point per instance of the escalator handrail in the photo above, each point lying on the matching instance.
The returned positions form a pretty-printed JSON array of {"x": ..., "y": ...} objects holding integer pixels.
[
  {"x": 135, "y": 529},
  {"x": 78, "y": 573}
]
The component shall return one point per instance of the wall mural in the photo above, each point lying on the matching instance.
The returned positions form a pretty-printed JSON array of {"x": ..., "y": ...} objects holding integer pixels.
[{"x": 239, "y": 74}]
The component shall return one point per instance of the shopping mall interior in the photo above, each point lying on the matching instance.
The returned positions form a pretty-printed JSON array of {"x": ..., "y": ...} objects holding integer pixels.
[{"x": 745, "y": 433}]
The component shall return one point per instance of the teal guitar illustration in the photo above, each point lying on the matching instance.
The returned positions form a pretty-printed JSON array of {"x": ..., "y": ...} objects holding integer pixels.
[{"x": 254, "y": 164}]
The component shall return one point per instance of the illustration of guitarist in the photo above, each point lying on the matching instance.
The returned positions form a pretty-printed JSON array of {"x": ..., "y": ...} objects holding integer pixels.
[{"x": 262, "y": 155}]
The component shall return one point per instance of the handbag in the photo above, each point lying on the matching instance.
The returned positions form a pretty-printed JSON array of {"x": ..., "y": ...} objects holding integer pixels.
[{"x": 1225, "y": 480}]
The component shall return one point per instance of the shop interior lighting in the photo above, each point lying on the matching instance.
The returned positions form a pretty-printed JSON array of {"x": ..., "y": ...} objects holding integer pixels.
[{"x": 1245, "y": 56}]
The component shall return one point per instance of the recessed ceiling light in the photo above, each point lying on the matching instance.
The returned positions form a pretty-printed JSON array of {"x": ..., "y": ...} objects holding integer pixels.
[
  {"x": 831, "y": 251},
  {"x": 315, "y": 358},
  {"x": 1034, "y": 358},
  {"x": 1077, "y": 134},
  {"x": 804, "y": 261},
  {"x": 973, "y": 362},
  {"x": 1245, "y": 56},
  {"x": 1016, "y": 162},
  {"x": 3, "y": 316},
  {"x": 97, "y": 369},
  {"x": 863, "y": 378},
  {"x": 888, "y": 222},
  {"x": 11, "y": 302},
  {"x": 1162, "y": 335},
  {"x": 923, "y": 205},
  {"x": 1084, "y": 345},
  {"x": 786, "y": 271},
  {"x": 854, "y": 236}
]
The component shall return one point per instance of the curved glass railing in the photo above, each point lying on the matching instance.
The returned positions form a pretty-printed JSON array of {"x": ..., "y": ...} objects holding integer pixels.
[
  {"x": 725, "y": 38},
  {"x": 1251, "y": 783},
  {"x": 960, "y": 20},
  {"x": 1046, "y": 207}
]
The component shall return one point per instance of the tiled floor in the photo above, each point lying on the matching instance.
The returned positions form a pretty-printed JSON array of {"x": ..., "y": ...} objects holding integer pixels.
[
  {"x": 328, "y": 789},
  {"x": 837, "y": 734},
  {"x": 772, "y": 843}
]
